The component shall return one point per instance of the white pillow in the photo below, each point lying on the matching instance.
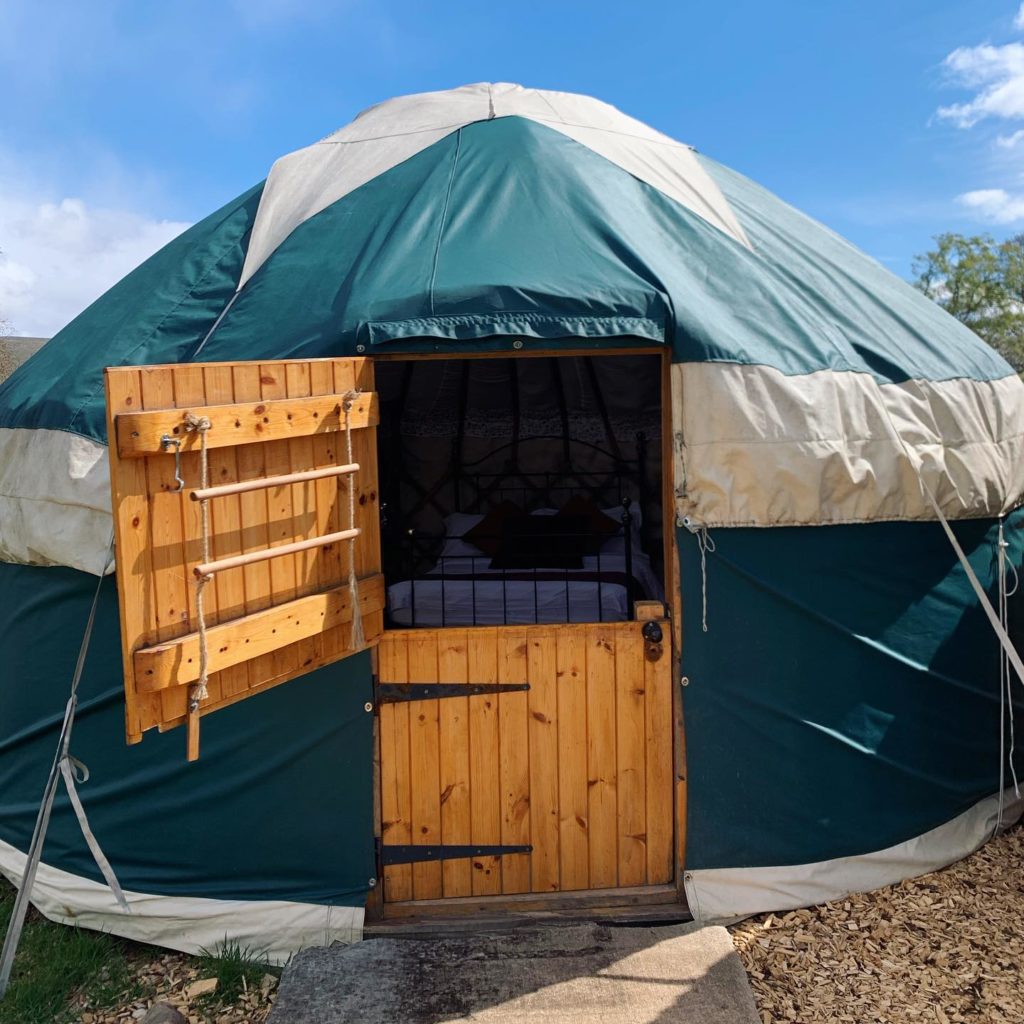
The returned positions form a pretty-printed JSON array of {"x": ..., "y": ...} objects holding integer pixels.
[
  {"x": 459, "y": 523},
  {"x": 455, "y": 526}
]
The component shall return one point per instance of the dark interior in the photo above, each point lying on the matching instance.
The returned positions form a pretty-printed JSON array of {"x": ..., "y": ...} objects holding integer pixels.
[{"x": 535, "y": 470}]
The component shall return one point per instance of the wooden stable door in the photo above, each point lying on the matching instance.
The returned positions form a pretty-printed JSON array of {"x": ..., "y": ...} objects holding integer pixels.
[
  {"x": 289, "y": 510},
  {"x": 545, "y": 763}
]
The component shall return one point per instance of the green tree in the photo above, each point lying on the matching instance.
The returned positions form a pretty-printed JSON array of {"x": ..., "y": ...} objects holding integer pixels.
[{"x": 981, "y": 283}]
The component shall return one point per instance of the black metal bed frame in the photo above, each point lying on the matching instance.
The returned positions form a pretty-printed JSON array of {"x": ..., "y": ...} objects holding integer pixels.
[{"x": 414, "y": 553}]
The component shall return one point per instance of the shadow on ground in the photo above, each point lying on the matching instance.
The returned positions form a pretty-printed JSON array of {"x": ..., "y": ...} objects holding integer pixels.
[{"x": 530, "y": 975}]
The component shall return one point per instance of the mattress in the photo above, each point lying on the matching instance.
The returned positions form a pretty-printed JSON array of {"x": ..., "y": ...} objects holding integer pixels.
[{"x": 469, "y": 593}]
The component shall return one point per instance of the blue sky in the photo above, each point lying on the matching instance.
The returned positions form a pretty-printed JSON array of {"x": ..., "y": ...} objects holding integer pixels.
[{"x": 121, "y": 122}]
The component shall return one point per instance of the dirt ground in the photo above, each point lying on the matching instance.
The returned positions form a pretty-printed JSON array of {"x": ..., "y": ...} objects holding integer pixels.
[{"x": 943, "y": 948}]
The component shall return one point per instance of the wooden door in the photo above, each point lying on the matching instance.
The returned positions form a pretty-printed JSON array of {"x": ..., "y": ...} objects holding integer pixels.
[
  {"x": 280, "y": 475},
  {"x": 545, "y": 766}
]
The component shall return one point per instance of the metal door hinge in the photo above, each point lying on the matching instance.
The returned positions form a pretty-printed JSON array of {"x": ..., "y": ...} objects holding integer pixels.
[
  {"x": 393, "y": 693},
  {"x": 390, "y": 855}
]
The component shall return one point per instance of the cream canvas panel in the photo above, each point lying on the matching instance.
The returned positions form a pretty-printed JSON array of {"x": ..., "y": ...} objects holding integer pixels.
[
  {"x": 54, "y": 500},
  {"x": 192, "y": 924},
  {"x": 303, "y": 183},
  {"x": 754, "y": 447},
  {"x": 722, "y": 895}
]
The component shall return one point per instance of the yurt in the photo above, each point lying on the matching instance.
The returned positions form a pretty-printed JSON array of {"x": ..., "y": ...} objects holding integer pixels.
[{"x": 504, "y": 506}]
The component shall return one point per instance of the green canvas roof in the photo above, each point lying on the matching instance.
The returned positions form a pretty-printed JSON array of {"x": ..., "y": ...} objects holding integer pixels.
[{"x": 550, "y": 219}]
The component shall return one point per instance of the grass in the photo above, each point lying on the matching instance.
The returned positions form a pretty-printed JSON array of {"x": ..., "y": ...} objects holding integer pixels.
[
  {"x": 56, "y": 963},
  {"x": 59, "y": 969},
  {"x": 236, "y": 968}
]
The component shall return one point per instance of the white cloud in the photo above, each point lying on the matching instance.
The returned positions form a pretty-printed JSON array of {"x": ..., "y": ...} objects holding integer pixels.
[
  {"x": 994, "y": 204},
  {"x": 997, "y": 73},
  {"x": 1010, "y": 141},
  {"x": 59, "y": 254},
  {"x": 994, "y": 75}
]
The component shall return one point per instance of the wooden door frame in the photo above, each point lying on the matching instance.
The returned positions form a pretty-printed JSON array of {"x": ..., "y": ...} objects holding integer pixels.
[{"x": 592, "y": 899}]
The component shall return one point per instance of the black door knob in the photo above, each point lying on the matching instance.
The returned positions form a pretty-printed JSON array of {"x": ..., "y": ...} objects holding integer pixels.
[{"x": 652, "y": 632}]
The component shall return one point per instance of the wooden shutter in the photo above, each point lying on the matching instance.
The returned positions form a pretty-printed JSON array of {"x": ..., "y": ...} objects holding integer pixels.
[{"x": 269, "y": 620}]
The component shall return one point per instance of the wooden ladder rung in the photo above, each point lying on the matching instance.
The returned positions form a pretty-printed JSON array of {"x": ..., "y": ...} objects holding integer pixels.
[
  {"x": 209, "y": 568},
  {"x": 222, "y": 490}
]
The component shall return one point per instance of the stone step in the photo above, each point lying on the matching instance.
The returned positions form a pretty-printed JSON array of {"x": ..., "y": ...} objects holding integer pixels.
[{"x": 533, "y": 975}]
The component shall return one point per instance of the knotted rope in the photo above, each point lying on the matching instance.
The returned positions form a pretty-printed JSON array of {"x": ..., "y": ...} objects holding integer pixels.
[
  {"x": 1005, "y": 567},
  {"x": 200, "y": 425},
  {"x": 706, "y": 544},
  {"x": 358, "y": 639}
]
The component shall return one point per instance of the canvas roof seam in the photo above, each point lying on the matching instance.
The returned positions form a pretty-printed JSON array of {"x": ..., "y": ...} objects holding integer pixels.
[
  {"x": 443, "y": 220},
  {"x": 666, "y": 140},
  {"x": 450, "y": 128},
  {"x": 849, "y": 368}
]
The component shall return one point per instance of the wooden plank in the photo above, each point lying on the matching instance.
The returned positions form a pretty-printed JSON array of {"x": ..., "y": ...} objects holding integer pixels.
[
  {"x": 364, "y": 447},
  {"x": 226, "y": 520},
  {"x": 455, "y": 778},
  {"x": 658, "y": 785},
  {"x": 170, "y": 593},
  {"x": 424, "y": 765},
  {"x": 134, "y": 555},
  {"x": 343, "y": 377},
  {"x": 321, "y": 382},
  {"x": 265, "y": 683},
  {"x": 668, "y": 412},
  {"x": 630, "y": 770},
  {"x": 643, "y": 611},
  {"x": 544, "y": 903},
  {"x": 189, "y": 389},
  {"x": 272, "y": 419},
  {"x": 176, "y": 662},
  {"x": 395, "y": 779},
  {"x": 543, "y": 694},
  {"x": 573, "y": 810},
  {"x": 300, "y": 455},
  {"x": 254, "y": 511},
  {"x": 601, "y": 774},
  {"x": 681, "y": 791},
  {"x": 277, "y": 461},
  {"x": 514, "y": 761},
  {"x": 187, "y": 381},
  {"x": 484, "y": 772}
]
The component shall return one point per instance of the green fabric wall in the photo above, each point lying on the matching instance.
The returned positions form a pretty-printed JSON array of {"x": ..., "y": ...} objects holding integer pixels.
[
  {"x": 846, "y": 695},
  {"x": 279, "y": 805}
]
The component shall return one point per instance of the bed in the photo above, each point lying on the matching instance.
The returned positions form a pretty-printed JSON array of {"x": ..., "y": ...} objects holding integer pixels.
[{"x": 505, "y": 563}]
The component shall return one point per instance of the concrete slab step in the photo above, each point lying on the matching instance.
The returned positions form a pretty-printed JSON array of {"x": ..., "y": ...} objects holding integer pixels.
[{"x": 547, "y": 975}]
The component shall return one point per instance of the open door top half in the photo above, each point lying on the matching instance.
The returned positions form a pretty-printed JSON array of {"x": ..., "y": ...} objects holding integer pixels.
[{"x": 249, "y": 567}]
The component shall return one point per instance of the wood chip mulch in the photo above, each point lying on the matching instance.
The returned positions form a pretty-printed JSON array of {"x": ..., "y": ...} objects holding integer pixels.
[
  {"x": 944, "y": 948},
  {"x": 175, "y": 978}
]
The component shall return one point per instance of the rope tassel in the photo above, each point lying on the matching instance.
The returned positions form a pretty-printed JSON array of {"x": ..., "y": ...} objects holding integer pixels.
[{"x": 357, "y": 639}]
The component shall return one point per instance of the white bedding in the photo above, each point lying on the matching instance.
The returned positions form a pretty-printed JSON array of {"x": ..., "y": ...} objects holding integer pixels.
[{"x": 481, "y": 602}]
